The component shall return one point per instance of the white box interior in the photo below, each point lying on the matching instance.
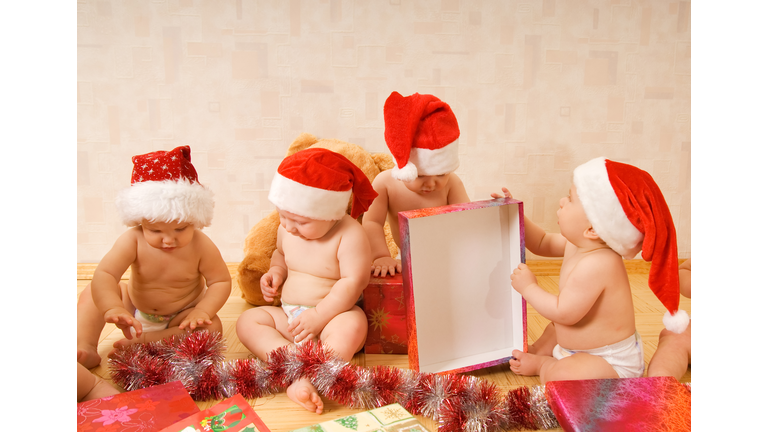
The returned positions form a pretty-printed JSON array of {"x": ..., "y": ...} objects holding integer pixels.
[{"x": 467, "y": 314}]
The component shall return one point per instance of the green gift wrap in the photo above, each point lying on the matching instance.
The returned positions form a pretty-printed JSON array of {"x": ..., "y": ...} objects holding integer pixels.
[{"x": 390, "y": 418}]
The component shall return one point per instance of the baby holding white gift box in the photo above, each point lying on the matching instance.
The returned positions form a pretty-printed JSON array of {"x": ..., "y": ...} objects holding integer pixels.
[
  {"x": 613, "y": 210},
  {"x": 422, "y": 133},
  {"x": 322, "y": 261}
]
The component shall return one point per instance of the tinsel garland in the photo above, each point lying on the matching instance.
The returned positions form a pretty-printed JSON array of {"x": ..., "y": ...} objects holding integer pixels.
[{"x": 458, "y": 403}]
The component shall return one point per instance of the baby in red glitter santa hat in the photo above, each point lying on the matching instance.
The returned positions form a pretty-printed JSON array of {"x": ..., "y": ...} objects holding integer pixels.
[
  {"x": 613, "y": 210},
  {"x": 422, "y": 134},
  {"x": 178, "y": 280},
  {"x": 322, "y": 262}
]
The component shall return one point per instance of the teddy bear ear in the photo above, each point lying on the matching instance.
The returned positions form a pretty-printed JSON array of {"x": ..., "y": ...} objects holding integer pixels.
[
  {"x": 383, "y": 161},
  {"x": 301, "y": 142}
]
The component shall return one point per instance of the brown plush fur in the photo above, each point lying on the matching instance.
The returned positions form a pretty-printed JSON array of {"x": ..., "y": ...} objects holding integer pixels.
[{"x": 261, "y": 240}]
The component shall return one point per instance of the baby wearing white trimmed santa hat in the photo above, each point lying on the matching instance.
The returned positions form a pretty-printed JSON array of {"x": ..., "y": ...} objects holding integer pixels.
[
  {"x": 321, "y": 263},
  {"x": 422, "y": 134},
  {"x": 613, "y": 210}
]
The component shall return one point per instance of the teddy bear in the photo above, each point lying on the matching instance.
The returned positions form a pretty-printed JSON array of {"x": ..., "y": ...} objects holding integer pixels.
[{"x": 261, "y": 240}]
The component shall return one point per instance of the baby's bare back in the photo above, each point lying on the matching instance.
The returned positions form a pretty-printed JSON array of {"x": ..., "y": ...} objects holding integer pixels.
[
  {"x": 163, "y": 283},
  {"x": 610, "y": 318}
]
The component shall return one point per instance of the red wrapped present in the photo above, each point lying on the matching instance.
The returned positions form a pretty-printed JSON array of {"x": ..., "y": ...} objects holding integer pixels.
[
  {"x": 147, "y": 409},
  {"x": 233, "y": 415},
  {"x": 384, "y": 305},
  {"x": 621, "y": 404}
]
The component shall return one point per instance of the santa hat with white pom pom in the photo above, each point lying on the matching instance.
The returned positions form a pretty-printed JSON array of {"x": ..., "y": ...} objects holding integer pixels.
[
  {"x": 422, "y": 133},
  {"x": 628, "y": 211}
]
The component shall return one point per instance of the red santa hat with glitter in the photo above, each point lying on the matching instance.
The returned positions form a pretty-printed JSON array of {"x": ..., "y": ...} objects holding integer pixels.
[
  {"x": 317, "y": 183},
  {"x": 422, "y": 133},
  {"x": 164, "y": 188},
  {"x": 627, "y": 210}
]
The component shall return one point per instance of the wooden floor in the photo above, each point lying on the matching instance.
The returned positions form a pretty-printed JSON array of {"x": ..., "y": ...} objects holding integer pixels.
[{"x": 280, "y": 414}]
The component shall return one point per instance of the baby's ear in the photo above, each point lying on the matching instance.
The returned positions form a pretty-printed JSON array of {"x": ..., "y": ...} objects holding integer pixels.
[{"x": 591, "y": 234}]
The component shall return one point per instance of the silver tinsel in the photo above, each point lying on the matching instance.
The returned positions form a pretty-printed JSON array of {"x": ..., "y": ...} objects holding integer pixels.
[
  {"x": 327, "y": 374},
  {"x": 366, "y": 396},
  {"x": 433, "y": 393},
  {"x": 481, "y": 403},
  {"x": 409, "y": 385},
  {"x": 545, "y": 418},
  {"x": 192, "y": 355},
  {"x": 227, "y": 385}
]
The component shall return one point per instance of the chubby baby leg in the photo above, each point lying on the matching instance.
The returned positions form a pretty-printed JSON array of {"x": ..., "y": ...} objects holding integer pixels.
[
  {"x": 345, "y": 334},
  {"x": 173, "y": 329},
  {"x": 263, "y": 329},
  {"x": 90, "y": 323},
  {"x": 89, "y": 386},
  {"x": 578, "y": 366},
  {"x": 673, "y": 355},
  {"x": 546, "y": 342}
]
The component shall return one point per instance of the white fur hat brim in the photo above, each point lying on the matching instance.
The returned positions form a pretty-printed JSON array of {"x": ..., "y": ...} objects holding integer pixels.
[
  {"x": 427, "y": 162},
  {"x": 604, "y": 210},
  {"x": 308, "y": 201},
  {"x": 166, "y": 201}
]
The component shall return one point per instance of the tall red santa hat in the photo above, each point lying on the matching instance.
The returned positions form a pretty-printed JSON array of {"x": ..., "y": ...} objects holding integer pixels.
[
  {"x": 317, "y": 183},
  {"x": 164, "y": 188},
  {"x": 627, "y": 210},
  {"x": 422, "y": 133}
]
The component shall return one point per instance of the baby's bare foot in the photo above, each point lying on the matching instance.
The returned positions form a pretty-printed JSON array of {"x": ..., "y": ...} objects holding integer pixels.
[
  {"x": 305, "y": 394},
  {"x": 100, "y": 389},
  {"x": 122, "y": 343},
  {"x": 525, "y": 364},
  {"x": 88, "y": 356}
]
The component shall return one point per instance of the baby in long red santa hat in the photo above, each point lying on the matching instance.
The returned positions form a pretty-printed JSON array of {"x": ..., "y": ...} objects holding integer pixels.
[
  {"x": 322, "y": 262},
  {"x": 422, "y": 134},
  {"x": 613, "y": 210},
  {"x": 178, "y": 280}
]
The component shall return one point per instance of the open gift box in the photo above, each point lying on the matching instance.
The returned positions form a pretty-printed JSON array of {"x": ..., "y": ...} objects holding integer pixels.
[{"x": 462, "y": 313}]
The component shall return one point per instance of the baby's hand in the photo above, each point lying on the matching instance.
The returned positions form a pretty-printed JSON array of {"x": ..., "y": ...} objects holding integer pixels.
[
  {"x": 507, "y": 194},
  {"x": 270, "y": 282},
  {"x": 382, "y": 265},
  {"x": 522, "y": 278},
  {"x": 307, "y": 325},
  {"x": 124, "y": 321},
  {"x": 195, "y": 318}
]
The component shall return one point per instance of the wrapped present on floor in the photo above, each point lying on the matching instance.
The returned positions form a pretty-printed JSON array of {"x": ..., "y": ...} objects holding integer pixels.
[
  {"x": 147, "y": 409},
  {"x": 384, "y": 305},
  {"x": 232, "y": 415},
  {"x": 621, "y": 404},
  {"x": 389, "y": 418}
]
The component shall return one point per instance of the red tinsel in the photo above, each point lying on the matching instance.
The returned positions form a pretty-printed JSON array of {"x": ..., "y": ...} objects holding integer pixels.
[{"x": 459, "y": 403}]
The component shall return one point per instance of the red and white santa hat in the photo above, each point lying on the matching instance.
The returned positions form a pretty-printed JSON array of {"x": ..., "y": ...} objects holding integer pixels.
[
  {"x": 317, "y": 183},
  {"x": 422, "y": 134},
  {"x": 628, "y": 211},
  {"x": 164, "y": 188}
]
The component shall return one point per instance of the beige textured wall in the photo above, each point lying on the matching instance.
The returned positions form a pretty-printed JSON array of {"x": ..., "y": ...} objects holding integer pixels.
[{"x": 538, "y": 88}]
